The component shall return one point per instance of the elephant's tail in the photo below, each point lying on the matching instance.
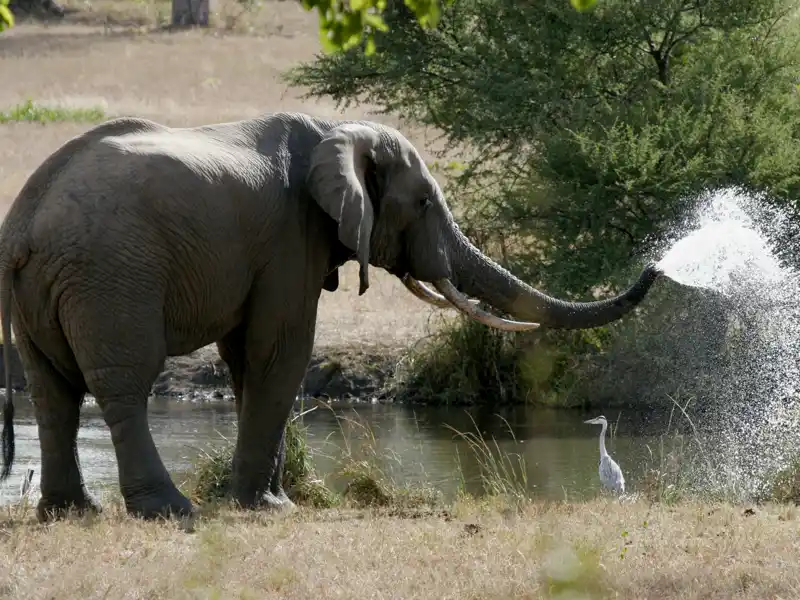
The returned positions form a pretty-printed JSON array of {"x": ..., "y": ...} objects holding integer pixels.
[{"x": 8, "y": 408}]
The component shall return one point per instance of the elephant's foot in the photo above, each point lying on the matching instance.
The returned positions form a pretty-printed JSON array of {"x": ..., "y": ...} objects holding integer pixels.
[
  {"x": 53, "y": 507},
  {"x": 251, "y": 499},
  {"x": 279, "y": 502},
  {"x": 165, "y": 502}
]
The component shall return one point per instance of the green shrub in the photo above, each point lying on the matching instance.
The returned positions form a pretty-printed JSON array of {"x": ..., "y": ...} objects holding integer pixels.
[
  {"x": 463, "y": 363},
  {"x": 467, "y": 363}
]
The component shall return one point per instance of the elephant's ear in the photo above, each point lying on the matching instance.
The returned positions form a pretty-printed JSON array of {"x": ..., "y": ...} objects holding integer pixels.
[{"x": 336, "y": 179}]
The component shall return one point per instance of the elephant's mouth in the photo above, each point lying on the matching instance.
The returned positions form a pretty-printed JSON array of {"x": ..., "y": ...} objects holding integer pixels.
[{"x": 449, "y": 297}]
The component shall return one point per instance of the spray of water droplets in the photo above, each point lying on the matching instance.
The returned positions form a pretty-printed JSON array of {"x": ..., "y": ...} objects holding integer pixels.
[{"x": 750, "y": 422}]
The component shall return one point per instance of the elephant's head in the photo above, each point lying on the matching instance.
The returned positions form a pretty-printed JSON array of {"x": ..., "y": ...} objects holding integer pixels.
[{"x": 391, "y": 213}]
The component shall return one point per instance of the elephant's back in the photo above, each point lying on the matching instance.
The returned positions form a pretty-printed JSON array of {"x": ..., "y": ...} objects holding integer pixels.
[{"x": 38, "y": 191}]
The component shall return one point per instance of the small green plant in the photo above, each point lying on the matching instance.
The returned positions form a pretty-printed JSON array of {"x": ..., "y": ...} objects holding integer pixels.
[
  {"x": 366, "y": 486},
  {"x": 30, "y": 112}
]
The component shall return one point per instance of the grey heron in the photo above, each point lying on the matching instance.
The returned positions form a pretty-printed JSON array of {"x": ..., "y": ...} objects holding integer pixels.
[{"x": 610, "y": 473}]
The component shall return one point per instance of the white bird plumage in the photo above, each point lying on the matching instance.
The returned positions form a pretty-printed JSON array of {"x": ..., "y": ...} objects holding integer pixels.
[{"x": 610, "y": 473}]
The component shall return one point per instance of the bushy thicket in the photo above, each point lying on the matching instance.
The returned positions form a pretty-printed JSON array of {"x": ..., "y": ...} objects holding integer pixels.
[{"x": 587, "y": 136}]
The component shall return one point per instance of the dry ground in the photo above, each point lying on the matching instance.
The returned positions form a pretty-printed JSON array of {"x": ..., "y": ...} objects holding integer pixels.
[
  {"x": 600, "y": 549},
  {"x": 101, "y": 57}
]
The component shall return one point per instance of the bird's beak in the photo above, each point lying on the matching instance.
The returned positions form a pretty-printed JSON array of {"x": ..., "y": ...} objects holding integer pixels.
[{"x": 590, "y": 421}]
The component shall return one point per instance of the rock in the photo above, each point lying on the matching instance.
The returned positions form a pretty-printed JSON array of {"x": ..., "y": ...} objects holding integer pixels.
[{"x": 319, "y": 375}]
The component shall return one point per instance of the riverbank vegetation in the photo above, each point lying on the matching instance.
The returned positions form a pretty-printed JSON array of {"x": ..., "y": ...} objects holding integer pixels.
[
  {"x": 586, "y": 138},
  {"x": 360, "y": 474}
]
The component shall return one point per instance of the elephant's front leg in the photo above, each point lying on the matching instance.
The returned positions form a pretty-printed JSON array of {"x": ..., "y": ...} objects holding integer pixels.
[{"x": 275, "y": 369}]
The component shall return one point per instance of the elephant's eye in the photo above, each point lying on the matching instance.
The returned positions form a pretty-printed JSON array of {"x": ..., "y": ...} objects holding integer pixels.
[{"x": 425, "y": 202}]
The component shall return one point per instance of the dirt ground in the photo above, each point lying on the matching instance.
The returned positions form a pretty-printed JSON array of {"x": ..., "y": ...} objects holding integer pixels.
[{"x": 109, "y": 55}]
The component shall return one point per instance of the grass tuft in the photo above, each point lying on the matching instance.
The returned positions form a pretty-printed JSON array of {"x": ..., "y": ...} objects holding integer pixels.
[
  {"x": 30, "y": 112},
  {"x": 211, "y": 476},
  {"x": 366, "y": 487},
  {"x": 366, "y": 472}
]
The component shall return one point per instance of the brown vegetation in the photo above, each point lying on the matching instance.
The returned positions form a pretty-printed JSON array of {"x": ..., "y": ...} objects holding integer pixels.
[{"x": 599, "y": 549}]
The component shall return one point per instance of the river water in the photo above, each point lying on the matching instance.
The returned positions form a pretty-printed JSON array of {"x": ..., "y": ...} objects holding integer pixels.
[{"x": 413, "y": 444}]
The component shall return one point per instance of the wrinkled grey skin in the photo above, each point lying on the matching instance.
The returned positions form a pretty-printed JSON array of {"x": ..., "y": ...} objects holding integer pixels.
[{"x": 135, "y": 241}]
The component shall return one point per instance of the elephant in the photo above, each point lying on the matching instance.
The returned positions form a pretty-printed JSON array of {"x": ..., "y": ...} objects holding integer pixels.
[{"x": 135, "y": 241}]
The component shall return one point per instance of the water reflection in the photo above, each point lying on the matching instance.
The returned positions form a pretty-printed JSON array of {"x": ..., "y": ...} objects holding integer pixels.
[{"x": 558, "y": 450}]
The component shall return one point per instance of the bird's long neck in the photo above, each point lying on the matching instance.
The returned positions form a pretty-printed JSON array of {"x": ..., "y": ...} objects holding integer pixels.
[{"x": 603, "y": 440}]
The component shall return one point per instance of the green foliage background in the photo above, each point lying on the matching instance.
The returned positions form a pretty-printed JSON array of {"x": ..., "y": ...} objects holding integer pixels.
[{"x": 587, "y": 135}]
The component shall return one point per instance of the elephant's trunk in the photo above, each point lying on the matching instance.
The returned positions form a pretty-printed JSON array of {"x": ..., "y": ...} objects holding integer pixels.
[{"x": 479, "y": 276}]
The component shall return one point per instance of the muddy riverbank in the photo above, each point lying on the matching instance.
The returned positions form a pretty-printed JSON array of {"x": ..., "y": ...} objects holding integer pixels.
[{"x": 346, "y": 373}]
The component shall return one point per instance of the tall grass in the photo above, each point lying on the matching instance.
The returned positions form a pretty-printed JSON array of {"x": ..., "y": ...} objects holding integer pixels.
[{"x": 502, "y": 473}]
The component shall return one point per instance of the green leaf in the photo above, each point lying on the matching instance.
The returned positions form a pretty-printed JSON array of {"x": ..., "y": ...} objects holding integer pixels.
[
  {"x": 6, "y": 16},
  {"x": 376, "y": 22},
  {"x": 369, "y": 49},
  {"x": 581, "y": 5}
]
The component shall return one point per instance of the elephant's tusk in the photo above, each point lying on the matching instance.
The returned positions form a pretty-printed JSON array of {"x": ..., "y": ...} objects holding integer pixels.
[
  {"x": 424, "y": 293},
  {"x": 462, "y": 303}
]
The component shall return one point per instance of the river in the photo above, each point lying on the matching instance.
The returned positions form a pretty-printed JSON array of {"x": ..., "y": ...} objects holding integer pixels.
[{"x": 559, "y": 451}]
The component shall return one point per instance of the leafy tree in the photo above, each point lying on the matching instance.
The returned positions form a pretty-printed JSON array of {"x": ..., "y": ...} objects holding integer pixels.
[{"x": 590, "y": 131}]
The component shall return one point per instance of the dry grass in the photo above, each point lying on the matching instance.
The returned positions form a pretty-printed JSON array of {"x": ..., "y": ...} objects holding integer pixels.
[
  {"x": 600, "y": 549},
  {"x": 110, "y": 55}
]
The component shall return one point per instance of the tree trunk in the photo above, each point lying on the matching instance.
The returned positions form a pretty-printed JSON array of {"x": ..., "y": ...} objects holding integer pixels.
[{"x": 190, "y": 12}]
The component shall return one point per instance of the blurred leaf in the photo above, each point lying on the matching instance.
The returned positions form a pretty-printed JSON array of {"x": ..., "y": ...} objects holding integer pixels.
[
  {"x": 6, "y": 16},
  {"x": 582, "y": 4}
]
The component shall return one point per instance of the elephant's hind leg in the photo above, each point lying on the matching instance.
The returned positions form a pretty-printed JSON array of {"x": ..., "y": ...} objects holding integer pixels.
[
  {"x": 122, "y": 351},
  {"x": 57, "y": 405}
]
